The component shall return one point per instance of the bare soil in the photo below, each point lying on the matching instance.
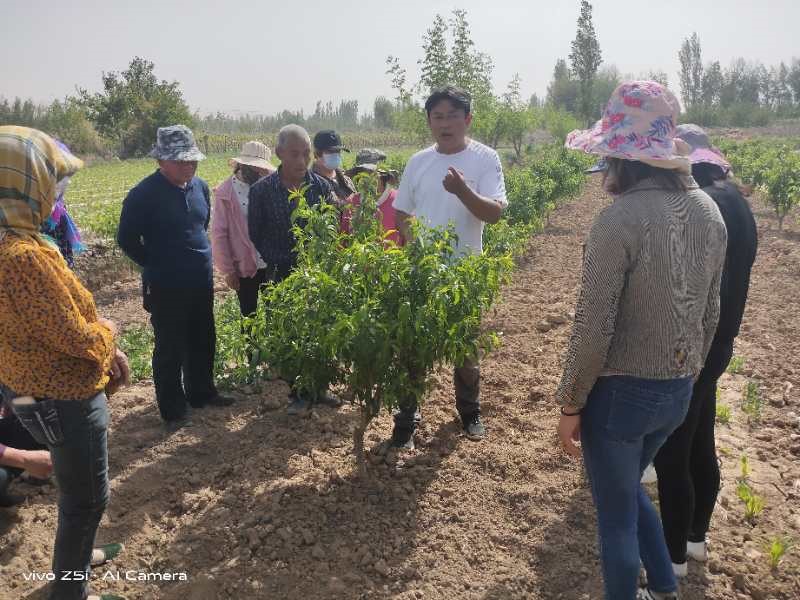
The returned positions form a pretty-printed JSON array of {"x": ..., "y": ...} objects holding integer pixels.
[{"x": 248, "y": 502}]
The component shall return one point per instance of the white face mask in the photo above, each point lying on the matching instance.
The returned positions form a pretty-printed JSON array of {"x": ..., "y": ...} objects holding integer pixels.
[{"x": 332, "y": 161}]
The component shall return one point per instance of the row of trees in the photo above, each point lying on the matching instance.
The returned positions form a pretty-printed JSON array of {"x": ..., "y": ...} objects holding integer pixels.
[
  {"x": 744, "y": 93},
  {"x": 450, "y": 56},
  {"x": 64, "y": 119},
  {"x": 121, "y": 119},
  {"x": 773, "y": 166},
  {"x": 123, "y": 116},
  {"x": 345, "y": 116}
]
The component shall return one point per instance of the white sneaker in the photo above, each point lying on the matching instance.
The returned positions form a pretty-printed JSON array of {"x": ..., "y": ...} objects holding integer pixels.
[
  {"x": 650, "y": 475},
  {"x": 645, "y": 594},
  {"x": 681, "y": 570},
  {"x": 697, "y": 551}
]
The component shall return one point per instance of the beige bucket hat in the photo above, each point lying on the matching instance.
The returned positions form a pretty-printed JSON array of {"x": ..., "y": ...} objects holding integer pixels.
[{"x": 255, "y": 154}]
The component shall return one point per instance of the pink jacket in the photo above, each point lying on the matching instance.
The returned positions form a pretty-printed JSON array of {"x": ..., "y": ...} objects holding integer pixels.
[{"x": 231, "y": 248}]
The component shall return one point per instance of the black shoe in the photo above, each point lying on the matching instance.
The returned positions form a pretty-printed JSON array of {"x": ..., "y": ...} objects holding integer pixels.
[
  {"x": 473, "y": 427},
  {"x": 173, "y": 425},
  {"x": 219, "y": 400},
  {"x": 402, "y": 438}
]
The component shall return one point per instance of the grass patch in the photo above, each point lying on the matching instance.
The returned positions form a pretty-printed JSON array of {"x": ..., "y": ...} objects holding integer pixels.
[
  {"x": 723, "y": 414},
  {"x": 776, "y": 550},
  {"x": 753, "y": 503},
  {"x": 137, "y": 343},
  {"x": 736, "y": 365},
  {"x": 752, "y": 402}
]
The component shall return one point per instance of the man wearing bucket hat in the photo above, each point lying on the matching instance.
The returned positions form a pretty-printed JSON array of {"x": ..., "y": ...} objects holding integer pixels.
[
  {"x": 646, "y": 316},
  {"x": 235, "y": 256},
  {"x": 328, "y": 148},
  {"x": 163, "y": 229},
  {"x": 687, "y": 467}
]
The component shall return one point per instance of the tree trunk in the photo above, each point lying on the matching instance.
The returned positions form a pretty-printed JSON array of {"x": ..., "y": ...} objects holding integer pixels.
[
  {"x": 358, "y": 444},
  {"x": 368, "y": 411}
]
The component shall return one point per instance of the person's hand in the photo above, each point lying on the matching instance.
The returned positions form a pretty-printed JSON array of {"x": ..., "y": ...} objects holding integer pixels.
[
  {"x": 569, "y": 432},
  {"x": 454, "y": 182},
  {"x": 38, "y": 463},
  {"x": 120, "y": 369},
  {"x": 232, "y": 281},
  {"x": 120, "y": 372},
  {"x": 108, "y": 324}
]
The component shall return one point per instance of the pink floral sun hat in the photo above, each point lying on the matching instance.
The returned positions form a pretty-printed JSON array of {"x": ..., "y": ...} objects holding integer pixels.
[
  {"x": 638, "y": 124},
  {"x": 702, "y": 151}
]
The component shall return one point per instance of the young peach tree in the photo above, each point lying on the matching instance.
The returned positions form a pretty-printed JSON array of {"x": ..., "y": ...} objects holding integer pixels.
[{"x": 360, "y": 312}]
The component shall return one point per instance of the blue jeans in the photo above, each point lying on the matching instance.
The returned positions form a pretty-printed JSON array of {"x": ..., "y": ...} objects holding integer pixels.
[
  {"x": 75, "y": 432},
  {"x": 625, "y": 422}
]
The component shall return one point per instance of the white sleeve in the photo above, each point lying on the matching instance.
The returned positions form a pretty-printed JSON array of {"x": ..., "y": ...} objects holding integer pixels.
[
  {"x": 492, "y": 184},
  {"x": 405, "y": 200}
]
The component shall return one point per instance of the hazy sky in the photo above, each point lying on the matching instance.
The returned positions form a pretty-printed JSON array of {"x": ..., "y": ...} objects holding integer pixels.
[{"x": 264, "y": 56}]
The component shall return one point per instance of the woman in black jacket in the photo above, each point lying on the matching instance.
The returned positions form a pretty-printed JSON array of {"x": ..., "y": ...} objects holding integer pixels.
[{"x": 688, "y": 472}]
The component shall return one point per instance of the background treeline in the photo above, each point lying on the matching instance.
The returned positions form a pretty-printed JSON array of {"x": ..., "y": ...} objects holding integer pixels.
[
  {"x": 121, "y": 119},
  {"x": 742, "y": 94}
]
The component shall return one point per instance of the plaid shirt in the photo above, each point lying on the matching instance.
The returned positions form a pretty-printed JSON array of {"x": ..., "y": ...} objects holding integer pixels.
[{"x": 269, "y": 217}]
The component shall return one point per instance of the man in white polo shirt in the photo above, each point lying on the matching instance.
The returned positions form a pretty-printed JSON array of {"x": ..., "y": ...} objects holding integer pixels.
[{"x": 458, "y": 181}]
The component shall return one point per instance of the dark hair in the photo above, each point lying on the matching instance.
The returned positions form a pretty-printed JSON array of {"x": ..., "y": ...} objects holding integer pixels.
[
  {"x": 460, "y": 99},
  {"x": 621, "y": 175},
  {"x": 706, "y": 174},
  {"x": 389, "y": 176}
]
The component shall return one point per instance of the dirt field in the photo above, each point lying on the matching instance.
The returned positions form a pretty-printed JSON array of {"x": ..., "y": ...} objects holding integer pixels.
[{"x": 250, "y": 503}]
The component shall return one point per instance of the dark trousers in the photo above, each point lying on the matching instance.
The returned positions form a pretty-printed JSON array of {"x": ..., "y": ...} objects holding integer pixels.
[
  {"x": 6, "y": 475},
  {"x": 466, "y": 379},
  {"x": 14, "y": 435},
  {"x": 248, "y": 291},
  {"x": 688, "y": 472},
  {"x": 75, "y": 432},
  {"x": 185, "y": 344},
  {"x": 277, "y": 273}
]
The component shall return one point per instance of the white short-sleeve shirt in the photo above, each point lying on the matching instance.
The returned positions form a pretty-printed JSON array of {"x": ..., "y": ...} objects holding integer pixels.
[{"x": 422, "y": 194}]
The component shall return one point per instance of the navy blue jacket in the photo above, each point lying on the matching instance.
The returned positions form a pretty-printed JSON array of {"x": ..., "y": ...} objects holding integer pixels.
[{"x": 163, "y": 229}]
